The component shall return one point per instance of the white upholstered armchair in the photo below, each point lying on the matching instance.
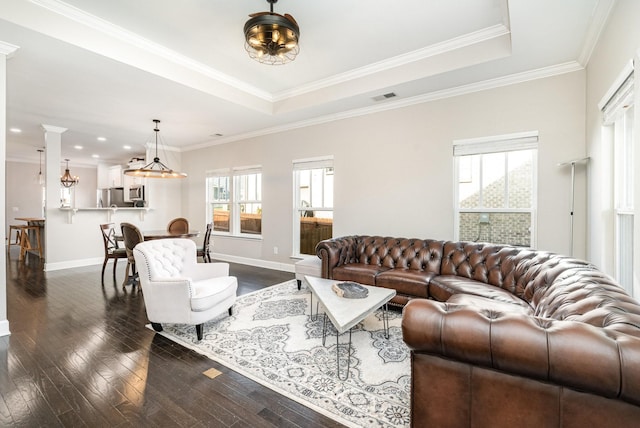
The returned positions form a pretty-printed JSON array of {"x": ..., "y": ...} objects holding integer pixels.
[{"x": 179, "y": 290}]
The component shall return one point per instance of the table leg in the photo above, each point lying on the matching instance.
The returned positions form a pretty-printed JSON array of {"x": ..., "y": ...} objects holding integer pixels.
[
  {"x": 324, "y": 328},
  {"x": 385, "y": 320},
  {"x": 346, "y": 376},
  {"x": 311, "y": 308}
]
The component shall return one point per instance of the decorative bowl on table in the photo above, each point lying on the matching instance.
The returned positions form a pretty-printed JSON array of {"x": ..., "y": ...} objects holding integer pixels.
[{"x": 350, "y": 290}]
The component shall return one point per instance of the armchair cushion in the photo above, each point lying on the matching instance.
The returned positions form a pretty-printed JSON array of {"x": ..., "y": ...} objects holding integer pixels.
[{"x": 207, "y": 293}]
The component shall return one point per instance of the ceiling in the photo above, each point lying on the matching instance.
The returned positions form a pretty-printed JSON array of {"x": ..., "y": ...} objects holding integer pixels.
[{"x": 107, "y": 69}]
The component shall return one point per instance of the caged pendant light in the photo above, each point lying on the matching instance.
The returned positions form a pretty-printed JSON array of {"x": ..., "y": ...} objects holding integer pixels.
[{"x": 271, "y": 38}]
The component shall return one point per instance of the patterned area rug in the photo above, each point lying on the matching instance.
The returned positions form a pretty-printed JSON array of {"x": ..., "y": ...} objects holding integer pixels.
[{"x": 272, "y": 339}]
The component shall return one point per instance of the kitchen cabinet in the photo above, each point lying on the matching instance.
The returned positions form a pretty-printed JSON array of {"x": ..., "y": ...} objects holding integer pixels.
[{"x": 115, "y": 176}]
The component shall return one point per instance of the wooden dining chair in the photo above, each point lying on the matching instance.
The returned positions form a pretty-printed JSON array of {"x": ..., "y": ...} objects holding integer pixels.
[
  {"x": 111, "y": 248},
  {"x": 132, "y": 237},
  {"x": 178, "y": 225},
  {"x": 205, "y": 250}
]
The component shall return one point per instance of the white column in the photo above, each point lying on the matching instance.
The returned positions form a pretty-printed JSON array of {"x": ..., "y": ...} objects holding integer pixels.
[
  {"x": 6, "y": 50},
  {"x": 52, "y": 215}
]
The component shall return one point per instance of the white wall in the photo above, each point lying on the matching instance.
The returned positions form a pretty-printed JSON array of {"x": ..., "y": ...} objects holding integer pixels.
[
  {"x": 393, "y": 169},
  {"x": 23, "y": 197},
  {"x": 618, "y": 44},
  {"x": 79, "y": 242}
]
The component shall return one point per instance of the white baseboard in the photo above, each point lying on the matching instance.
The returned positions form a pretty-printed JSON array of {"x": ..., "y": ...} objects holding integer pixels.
[
  {"x": 285, "y": 267},
  {"x": 49, "y": 267}
]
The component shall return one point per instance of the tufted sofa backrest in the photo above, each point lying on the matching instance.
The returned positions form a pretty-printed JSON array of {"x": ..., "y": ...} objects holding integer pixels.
[
  {"x": 400, "y": 253},
  {"x": 167, "y": 258},
  {"x": 555, "y": 286}
]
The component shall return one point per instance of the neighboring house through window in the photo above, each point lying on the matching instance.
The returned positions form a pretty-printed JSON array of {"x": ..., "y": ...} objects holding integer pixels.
[
  {"x": 234, "y": 201},
  {"x": 313, "y": 212},
  {"x": 495, "y": 189}
]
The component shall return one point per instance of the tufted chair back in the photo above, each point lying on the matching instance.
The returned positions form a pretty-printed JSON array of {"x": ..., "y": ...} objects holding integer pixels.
[{"x": 169, "y": 258}]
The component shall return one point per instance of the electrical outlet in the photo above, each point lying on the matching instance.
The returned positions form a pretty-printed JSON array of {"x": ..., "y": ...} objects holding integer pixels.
[
  {"x": 484, "y": 218},
  {"x": 275, "y": 250}
]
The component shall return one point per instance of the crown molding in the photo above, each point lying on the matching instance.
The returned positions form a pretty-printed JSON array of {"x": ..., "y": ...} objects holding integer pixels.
[
  {"x": 541, "y": 73},
  {"x": 54, "y": 129},
  {"x": 397, "y": 61},
  {"x": 599, "y": 18},
  {"x": 7, "y": 49},
  {"x": 98, "y": 24},
  {"x": 132, "y": 39}
]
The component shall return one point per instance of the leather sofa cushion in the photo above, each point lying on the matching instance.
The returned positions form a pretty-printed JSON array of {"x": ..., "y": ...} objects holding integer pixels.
[
  {"x": 410, "y": 282},
  {"x": 358, "y": 272},
  {"x": 490, "y": 304},
  {"x": 442, "y": 287}
]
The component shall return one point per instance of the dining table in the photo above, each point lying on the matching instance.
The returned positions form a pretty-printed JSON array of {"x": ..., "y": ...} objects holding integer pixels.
[{"x": 164, "y": 234}]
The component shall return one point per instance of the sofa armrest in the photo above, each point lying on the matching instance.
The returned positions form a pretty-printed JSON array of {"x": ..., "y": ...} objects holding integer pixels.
[
  {"x": 574, "y": 354},
  {"x": 335, "y": 252}
]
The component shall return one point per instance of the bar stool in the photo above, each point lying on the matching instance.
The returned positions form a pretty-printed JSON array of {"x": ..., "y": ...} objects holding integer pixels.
[
  {"x": 25, "y": 242},
  {"x": 18, "y": 229}
]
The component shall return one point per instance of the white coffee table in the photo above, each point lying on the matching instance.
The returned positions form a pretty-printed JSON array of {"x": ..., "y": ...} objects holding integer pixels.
[{"x": 346, "y": 313}]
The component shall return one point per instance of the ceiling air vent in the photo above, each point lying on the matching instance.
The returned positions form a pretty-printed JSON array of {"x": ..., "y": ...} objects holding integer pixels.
[{"x": 384, "y": 96}]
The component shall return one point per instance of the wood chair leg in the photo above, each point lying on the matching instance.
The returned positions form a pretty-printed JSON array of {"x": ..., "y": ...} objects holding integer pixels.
[
  {"x": 115, "y": 263},
  {"x": 126, "y": 275},
  {"x": 104, "y": 265},
  {"x": 199, "y": 331}
]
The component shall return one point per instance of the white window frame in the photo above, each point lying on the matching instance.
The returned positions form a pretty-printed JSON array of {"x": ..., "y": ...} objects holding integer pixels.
[
  {"x": 234, "y": 199},
  {"x": 496, "y": 144},
  {"x": 305, "y": 165},
  {"x": 618, "y": 112},
  {"x": 238, "y": 173},
  {"x": 225, "y": 173}
]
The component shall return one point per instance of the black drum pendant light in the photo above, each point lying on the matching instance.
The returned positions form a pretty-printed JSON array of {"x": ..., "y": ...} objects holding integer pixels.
[
  {"x": 271, "y": 38},
  {"x": 155, "y": 169}
]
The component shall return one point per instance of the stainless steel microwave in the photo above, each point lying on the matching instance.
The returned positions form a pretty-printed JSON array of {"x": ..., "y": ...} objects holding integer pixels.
[{"x": 136, "y": 193}]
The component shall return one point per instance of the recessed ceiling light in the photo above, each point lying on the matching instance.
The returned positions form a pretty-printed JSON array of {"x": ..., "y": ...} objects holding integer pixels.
[
  {"x": 15, "y": 130},
  {"x": 101, "y": 139},
  {"x": 126, "y": 147},
  {"x": 78, "y": 147},
  {"x": 95, "y": 156}
]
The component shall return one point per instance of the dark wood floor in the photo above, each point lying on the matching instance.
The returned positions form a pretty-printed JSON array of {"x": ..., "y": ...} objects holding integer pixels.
[{"x": 79, "y": 355}]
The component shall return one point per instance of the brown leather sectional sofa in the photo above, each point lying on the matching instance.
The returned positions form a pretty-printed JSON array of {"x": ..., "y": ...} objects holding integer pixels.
[{"x": 503, "y": 336}]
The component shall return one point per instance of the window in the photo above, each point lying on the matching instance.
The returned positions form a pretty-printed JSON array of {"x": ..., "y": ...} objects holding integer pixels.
[
  {"x": 248, "y": 201},
  {"x": 618, "y": 111},
  {"x": 313, "y": 213},
  {"x": 495, "y": 189},
  {"x": 234, "y": 201}
]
